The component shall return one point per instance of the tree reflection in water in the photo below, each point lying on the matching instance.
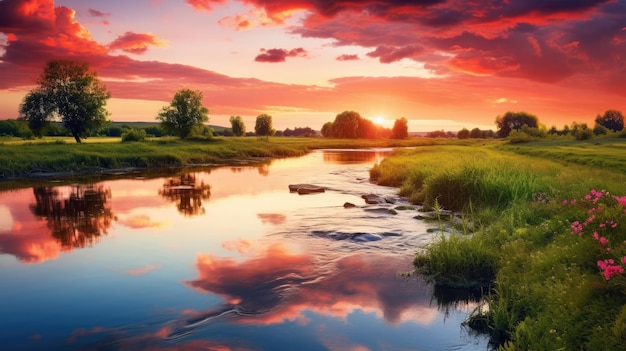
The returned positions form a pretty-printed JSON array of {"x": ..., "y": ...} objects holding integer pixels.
[
  {"x": 189, "y": 195},
  {"x": 78, "y": 220}
]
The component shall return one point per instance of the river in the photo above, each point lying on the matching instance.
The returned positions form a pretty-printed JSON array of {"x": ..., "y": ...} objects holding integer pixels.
[{"x": 225, "y": 258}]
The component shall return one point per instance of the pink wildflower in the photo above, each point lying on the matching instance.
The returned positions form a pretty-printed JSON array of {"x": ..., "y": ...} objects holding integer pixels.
[
  {"x": 603, "y": 240},
  {"x": 596, "y": 236},
  {"x": 621, "y": 200},
  {"x": 573, "y": 202}
]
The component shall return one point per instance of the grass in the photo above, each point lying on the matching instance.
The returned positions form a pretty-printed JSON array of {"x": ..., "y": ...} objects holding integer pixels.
[
  {"x": 22, "y": 159},
  {"x": 545, "y": 290}
]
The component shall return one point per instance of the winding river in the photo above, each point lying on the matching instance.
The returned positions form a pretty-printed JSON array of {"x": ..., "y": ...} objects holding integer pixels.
[{"x": 221, "y": 259}]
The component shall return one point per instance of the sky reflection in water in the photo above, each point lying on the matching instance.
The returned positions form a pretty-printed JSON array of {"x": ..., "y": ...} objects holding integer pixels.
[{"x": 222, "y": 259}]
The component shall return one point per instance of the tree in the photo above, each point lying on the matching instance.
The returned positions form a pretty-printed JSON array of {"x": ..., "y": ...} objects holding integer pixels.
[
  {"x": 346, "y": 125},
  {"x": 400, "y": 129},
  {"x": 612, "y": 120},
  {"x": 70, "y": 91},
  {"x": 463, "y": 134},
  {"x": 515, "y": 120},
  {"x": 184, "y": 113},
  {"x": 327, "y": 130},
  {"x": 237, "y": 126},
  {"x": 475, "y": 133},
  {"x": 263, "y": 126}
]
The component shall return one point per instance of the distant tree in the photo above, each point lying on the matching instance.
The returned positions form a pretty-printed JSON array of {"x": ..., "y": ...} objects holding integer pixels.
[
  {"x": 463, "y": 134},
  {"x": 16, "y": 128},
  {"x": 70, "y": 91},
  {"x": 299, "y": 131},
  {"x": 581, "y": 131},
  {"x": 612, "y": 120},
  {"x": 600, "y": 130},
  {"x": 237, "y": 125},
  {"x": 184, "y": 113},
  {"x": 263, "y": 126},
  {"x": 366, "y": 129},
  {"x": 400, "y": 129},
  {"x": 346, "y": 125},
  {"x": 327, "y": 130},
  {"x": 515, "y": 120},
  {"x": 475, "y": 133},
  {"x": 437, "y": 134}
]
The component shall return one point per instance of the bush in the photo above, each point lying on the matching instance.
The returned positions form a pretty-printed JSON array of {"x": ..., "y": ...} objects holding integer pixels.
[{"x": 134, "y": 135}]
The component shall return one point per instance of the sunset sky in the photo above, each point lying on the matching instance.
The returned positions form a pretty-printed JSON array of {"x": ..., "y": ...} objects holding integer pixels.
[{"x": 442, "y": 64}]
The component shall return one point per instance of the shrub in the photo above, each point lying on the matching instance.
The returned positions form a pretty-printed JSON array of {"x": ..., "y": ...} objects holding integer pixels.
[{"x": 134, "y": 135}]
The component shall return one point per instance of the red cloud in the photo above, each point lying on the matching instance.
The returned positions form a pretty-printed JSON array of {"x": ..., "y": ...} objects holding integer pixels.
[
  {"x": 204, "y": 5},
  {"x": 347, "y": 57},
  {"x": 134, "y": 43},
  {"x": 279, "y": 55}
]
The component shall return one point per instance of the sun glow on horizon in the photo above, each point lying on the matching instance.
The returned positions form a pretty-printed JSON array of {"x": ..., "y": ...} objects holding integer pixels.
[{"x": 380, "y": 120}]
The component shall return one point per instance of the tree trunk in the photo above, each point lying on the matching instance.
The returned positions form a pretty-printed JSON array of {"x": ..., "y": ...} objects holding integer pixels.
[{"x": 77, "y": 138}]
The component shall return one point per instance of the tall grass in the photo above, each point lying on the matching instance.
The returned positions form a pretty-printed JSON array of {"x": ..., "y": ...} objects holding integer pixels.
[{"x": 545, "y": 288}]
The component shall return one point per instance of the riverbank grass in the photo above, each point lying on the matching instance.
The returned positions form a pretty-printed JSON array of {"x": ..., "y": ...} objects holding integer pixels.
[{"x": 542, "y": 241}]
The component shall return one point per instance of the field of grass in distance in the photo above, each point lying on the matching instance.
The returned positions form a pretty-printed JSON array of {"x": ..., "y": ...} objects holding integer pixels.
[
  {"x": 545, "y": 288},
  {"x": 19, "y": 158}
]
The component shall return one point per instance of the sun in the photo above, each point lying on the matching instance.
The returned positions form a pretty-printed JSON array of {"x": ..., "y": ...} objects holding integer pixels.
[{"x": 380, "y": 120}]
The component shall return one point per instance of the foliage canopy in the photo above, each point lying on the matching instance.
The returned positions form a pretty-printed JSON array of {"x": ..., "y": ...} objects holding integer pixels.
[
  {"x": 263, "y": 126},
  {"x": 70, "y": 91},
  {"x": 184, "y": 113},
  {"x": 237, "y": 125},
  {"x": 612, "y": 120},
  {"x": 515, "y": 120}
]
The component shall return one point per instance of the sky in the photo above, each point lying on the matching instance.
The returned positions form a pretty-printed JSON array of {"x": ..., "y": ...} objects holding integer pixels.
[{"x": 442, "y": 64}]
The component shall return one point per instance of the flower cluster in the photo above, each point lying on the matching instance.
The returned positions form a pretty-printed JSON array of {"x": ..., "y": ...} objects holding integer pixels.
[
  {"x": 601, "y": 221},
  {"x": 610, "y": 268}
]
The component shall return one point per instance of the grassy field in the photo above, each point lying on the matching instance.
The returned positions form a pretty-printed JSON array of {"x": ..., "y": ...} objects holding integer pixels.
[
  {"x": 23, "y": 159},
  {"x": 543, "y": 232}
]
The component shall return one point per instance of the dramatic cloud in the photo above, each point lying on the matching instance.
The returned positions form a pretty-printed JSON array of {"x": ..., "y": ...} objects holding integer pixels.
[
  {"x": 279, "y": 55},
  {"x": 135, "y": 43}
]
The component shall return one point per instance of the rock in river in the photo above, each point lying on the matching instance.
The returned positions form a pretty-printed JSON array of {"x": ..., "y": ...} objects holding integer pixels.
[{"x": 306, "y": 188}]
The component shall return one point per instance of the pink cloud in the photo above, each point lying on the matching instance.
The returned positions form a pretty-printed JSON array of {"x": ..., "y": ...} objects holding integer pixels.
[
  {"x": 134, "y": 43},
  {"x": 96, "y": 13},
  {"x": 279, "y": 55},
  {"x": 347, "y": 57}
]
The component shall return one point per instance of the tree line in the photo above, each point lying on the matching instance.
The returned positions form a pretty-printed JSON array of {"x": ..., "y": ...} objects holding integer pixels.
[{"x": 70, "y": 94}]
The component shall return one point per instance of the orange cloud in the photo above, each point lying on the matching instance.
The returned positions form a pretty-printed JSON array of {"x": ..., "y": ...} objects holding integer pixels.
[
  {"x": 204, "y": 5},
  {"x": 135, "y": 43}
]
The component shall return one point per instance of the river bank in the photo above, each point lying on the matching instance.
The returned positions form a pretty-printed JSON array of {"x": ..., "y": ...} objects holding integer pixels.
[
  {"x": 28, "y": 159},
  {"x": 543, "y": 235}
]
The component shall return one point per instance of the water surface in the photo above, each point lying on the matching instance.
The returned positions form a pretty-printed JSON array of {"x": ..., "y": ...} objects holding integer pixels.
[{"x": 220, "y": 259}]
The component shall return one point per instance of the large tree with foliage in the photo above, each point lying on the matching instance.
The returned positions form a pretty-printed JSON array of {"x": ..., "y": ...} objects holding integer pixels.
[
  {"x": 400, "y": 129},
  {"x": 237, "y": 126},
  {"x": 346, "y": 125},
  {"x": 184, "y": 113},
  {"x": 612, "y": 120},
  {"x": 69, "y": 91},
  {"x": 263, "y": 125},
  {"x": 515, "y": 120}
]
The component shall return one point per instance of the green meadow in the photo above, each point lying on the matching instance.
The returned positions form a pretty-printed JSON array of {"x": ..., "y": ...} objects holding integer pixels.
[
  {"x": 540, "y": 230},
  {"x": 51, "y": 155}
]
